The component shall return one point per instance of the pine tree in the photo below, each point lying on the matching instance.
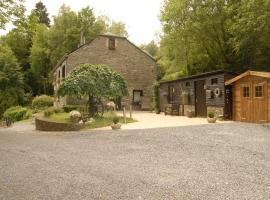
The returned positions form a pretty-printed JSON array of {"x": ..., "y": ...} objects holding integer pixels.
[{"x": 42, "y": 14}]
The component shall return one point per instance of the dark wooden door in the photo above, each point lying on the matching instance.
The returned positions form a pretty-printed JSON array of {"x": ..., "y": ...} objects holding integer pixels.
[{"x": 200, "y": 99}]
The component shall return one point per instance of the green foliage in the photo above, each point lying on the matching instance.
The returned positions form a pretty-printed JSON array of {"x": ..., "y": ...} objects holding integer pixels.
[
  {"x": 202, "y": 36},
  {"x": 42, "y": 102},
  {"x": 211, "y": 114},
  {"x": 115, "y": 119},
  {"x": 117, "y": 28},
  {"x": 151, "y": 48},
  {"x": 17, "y": 113},
  {"x": 40, "y": 59},
  {"x": 11, "y": 10},
  {"x": 48, "y": 112},
  {"x": 93, "y": 80},
  {"x": 11, "y": 79},
  {"x": 69, "y": 108},
  {"x": 42, "y": 14},
  {"x": 155, "y": 90}
]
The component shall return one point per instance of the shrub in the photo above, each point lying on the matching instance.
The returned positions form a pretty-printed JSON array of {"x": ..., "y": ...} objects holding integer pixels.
[
  {"x": 69, "y": 108},
  {"x": 17, "y": 113},
  {"x": 211, "y": 115},
  {"x": 155, "y": 91},
  {"x": 115, "y": 119},
  {"x": 42, "y": 102},
  {"x": 48, "y": 112}
]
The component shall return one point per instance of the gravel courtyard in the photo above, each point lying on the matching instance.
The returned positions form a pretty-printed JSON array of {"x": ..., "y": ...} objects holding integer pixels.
[{"x": 223, "y": 161}]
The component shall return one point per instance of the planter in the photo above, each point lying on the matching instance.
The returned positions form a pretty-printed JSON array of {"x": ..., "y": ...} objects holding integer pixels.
[
  {"x": 211, "y": 120},
  {"x": 116, "y": 126}
]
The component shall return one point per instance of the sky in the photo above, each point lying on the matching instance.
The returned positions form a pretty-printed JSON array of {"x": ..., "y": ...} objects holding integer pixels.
[{"x": 140, "y": 16}]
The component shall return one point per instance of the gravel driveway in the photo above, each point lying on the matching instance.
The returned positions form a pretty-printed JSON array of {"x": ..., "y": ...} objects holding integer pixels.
[{"x": 223, "y": 161}]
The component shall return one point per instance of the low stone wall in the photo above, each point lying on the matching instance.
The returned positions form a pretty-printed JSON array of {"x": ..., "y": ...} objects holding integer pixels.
[{"x": 45, "y": 125}]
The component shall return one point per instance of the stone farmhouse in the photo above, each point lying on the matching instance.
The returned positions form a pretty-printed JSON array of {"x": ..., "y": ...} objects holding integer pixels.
[{"x": 136, "y": 66}]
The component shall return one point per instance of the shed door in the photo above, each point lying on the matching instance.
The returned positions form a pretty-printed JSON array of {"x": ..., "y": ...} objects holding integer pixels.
[
  {"x": 200, "y": 99},
  {"x": 246, "y": 102},
  {"x": 260, "y": 102}
]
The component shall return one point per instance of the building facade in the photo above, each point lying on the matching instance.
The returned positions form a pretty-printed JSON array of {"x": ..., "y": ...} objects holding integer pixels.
[
  {"x": 136, "y": 66},
  {"x": 198, "y": 94},
  {"x": 251, "y": 97}
]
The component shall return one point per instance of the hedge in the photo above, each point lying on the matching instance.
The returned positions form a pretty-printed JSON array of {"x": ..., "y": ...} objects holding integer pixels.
[{"x": 17, "y": 113}]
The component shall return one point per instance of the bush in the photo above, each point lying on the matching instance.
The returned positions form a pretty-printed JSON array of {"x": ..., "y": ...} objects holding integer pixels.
[
  {"x": 69, "y": 108},
  {"x": 211, "y": 115},
  {"x": 42, "y": 102},
  {"x": 155, "y": 91},
  {"x": 17, "y": 113},
  {"x": 115, "y": 119},
  {"x": 50, "y": 111}
]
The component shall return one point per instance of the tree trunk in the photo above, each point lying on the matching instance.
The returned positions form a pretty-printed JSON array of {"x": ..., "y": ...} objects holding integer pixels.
[{"x": 90, "y": 103}]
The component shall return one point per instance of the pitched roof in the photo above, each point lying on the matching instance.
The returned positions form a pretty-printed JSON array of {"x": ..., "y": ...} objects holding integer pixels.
[
  {"x": 108, "y": 35},
  {"x": 199, "y": 76},
  {"x": 248, "y": 73}
]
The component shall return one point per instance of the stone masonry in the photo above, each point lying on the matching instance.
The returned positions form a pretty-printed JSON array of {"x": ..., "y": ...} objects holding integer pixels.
[{"x": 136, "y": 66}]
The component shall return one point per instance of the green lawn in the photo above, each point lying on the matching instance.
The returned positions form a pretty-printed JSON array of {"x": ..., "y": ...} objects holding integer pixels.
[
  {"x": 59, "y": 117},
  {"x": 99, "y": 122}
]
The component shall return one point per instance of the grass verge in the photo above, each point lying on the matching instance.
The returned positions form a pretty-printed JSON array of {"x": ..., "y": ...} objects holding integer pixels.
[{"x": 99, "y": 122}]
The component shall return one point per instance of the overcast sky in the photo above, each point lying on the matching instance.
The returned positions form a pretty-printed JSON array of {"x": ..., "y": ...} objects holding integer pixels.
[{"x": 140, "y": 16}]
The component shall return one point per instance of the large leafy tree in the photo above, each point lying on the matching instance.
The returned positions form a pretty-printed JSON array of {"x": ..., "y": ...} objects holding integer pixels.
[
  {"x": 11, "y": 79},
  {"x": 40, "y": 59},
  {"x": 207, "y": 35},
  {"x": 117, "y": 28},
  {"x": 94, "y": 81},
  {"x": 10, "y": 10},
  {"x": 42, "y": 14}
]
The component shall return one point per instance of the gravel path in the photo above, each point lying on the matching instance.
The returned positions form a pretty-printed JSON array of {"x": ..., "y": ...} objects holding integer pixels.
[{"x": 223, "y": 161}]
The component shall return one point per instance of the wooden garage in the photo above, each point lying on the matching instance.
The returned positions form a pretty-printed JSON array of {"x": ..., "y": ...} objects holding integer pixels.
[{"x": 251, "y": 97}]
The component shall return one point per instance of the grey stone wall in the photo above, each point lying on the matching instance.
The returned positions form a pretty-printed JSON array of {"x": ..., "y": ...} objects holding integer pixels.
[
  {"x": 44, "y": 125},
  {"x": 137, "y": 68}
]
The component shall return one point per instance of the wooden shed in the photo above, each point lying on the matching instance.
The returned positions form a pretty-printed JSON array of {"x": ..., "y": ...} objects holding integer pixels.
[
  {"x": 199, "y": 94},
  {"x": 251, "y": 97}
]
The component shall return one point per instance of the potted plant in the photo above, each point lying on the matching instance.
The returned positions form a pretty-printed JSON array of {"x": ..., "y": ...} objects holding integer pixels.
[
  {"x": 115, "y": 125},
  {"x": 211, "y": 117}
]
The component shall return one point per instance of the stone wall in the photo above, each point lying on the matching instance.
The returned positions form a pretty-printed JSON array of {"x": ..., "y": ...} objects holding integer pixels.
[
  {"x": 137, "y": 68},
  {"x": 44, "y": 125}
]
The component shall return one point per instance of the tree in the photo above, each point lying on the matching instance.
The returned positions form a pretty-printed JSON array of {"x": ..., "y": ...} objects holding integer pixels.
[
  {"x": 117, "y": 28},
  {"x": 151, "y": 48},
  {"x": 11, "y": 79},
  {"x": 207, "y": 35},
  {"x": 93, "y": 81},
  {"x": 42, "y": 14},
  {"x": 40, "y": 59},
  {"x": 10, "y": 10}
]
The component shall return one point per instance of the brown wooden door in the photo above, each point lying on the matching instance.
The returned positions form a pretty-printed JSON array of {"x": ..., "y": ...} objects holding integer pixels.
[
  {"x": 260, "y": 102},
  {"x": 200, "y": 99},
  {"x": 246, "y": 102}
]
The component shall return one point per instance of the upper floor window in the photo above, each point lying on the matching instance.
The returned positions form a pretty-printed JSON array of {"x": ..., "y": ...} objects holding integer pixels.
[
  {"x": 214, "y": 81},
  {"x": 111, "y": 43},
  {"x": 59, "y": 74},
  {"x": 64, "y": 71}
]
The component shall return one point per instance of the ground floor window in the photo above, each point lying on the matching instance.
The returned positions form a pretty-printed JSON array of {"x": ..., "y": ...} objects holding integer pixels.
[{"x": 137, "y": 96}]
